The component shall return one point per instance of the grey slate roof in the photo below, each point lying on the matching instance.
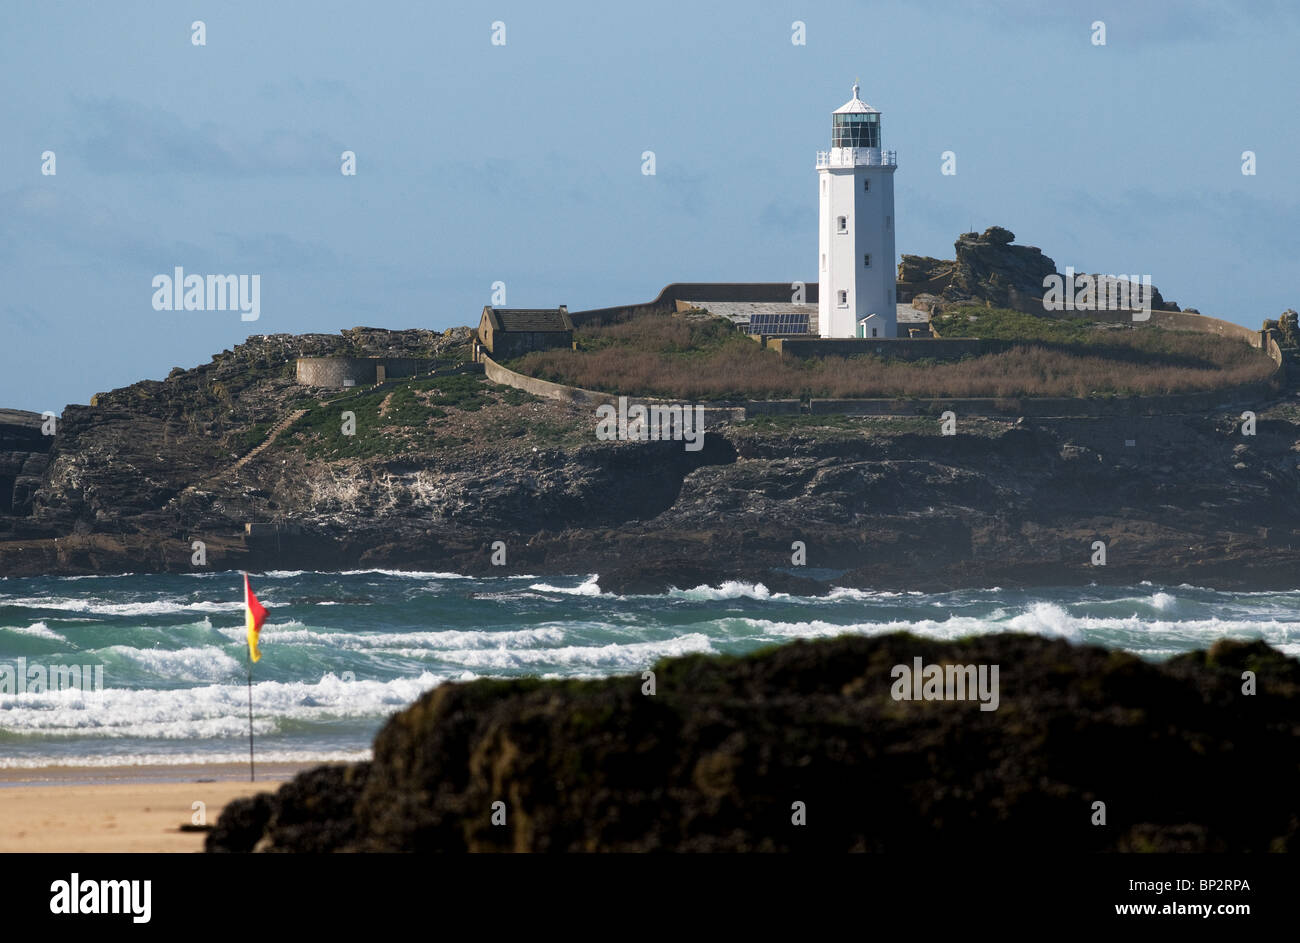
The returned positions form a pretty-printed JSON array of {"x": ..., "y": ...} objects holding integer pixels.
[{"x": 530, "y": 319}]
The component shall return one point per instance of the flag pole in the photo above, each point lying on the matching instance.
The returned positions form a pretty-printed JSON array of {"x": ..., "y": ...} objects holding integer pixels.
[
  {"x": 254, "y": 614},
  {"x": 250, "y": 721}
]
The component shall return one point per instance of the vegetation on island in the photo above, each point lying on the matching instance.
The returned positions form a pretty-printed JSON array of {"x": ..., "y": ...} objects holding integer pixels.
[
  {"x": 706, "y": 359},
  {"x": 409, "y": 413}
]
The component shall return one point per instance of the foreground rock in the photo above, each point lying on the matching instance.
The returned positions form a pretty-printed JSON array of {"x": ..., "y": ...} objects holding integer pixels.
[{"x": 1182, "y": 759}]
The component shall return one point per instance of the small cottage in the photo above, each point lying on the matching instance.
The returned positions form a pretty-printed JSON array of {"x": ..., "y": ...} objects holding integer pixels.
[{"x": 512, "y": 332}]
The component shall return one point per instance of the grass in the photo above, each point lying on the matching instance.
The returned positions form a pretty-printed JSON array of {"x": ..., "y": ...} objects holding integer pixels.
[
  {"x": 671, "y": 357},
  {"x": 397, "y": 419},
  {"x": 245, "y": 440},
  {"x": 1005, "y": 324}
]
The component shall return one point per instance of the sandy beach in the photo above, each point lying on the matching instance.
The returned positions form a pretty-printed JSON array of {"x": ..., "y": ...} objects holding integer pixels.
[{"x": 123, "y": 808}]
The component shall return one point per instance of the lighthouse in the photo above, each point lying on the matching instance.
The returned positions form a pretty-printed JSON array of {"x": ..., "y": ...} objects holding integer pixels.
[{"x": 856, "y": 294}]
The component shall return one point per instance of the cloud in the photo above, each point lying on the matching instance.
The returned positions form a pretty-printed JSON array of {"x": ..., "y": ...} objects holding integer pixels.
[
  {"x": 687, "y": 190},
  {"x": 788, "y": 216},
  {"x": 261, "y": 252},
  {"x": 123, "y": 137},
  {"x": 1252, "y": 223},
  {"x": 22, "y": 318},
  {"x": 296, "y": 91},
  {"x": 50, "y": 226}
]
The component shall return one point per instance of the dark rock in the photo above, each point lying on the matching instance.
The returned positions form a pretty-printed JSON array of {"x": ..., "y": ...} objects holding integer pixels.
[
  {"x": 716, "y": 759},
  {"x": 917, "y": 269},
  {"x": 242, "y": 824},
  {"x": 988, "y": 267},
  {"x": 311, "y": 813}
]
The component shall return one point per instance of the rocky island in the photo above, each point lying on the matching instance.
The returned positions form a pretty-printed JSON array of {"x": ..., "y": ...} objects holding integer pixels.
[{"x": 238, "y": 458}]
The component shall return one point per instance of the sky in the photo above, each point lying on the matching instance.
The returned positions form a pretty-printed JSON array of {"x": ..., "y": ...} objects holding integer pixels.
[{"x": 522, "y": 163}]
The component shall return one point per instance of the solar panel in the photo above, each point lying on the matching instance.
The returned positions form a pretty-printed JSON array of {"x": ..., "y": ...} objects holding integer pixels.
[{"x": 784, "y": 323}]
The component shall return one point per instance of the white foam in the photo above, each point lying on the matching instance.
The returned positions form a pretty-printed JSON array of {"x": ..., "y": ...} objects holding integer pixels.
[
  {"x": 207, "y": 663},
  {"x": 950, "y": 628},
  {"x": 103, "y": 607},
  {"x": 588, "y": 587},
  {"x": 731, "y": 589},
  {"x": 294, "y": 633},
  {"x": 36, "y": 629},
  {"x": 1163, "y": 601},
  {"x": 406, "y": 574},
  {"x": 102, "y": 761},
  {"x": 1046, "y": 618},
  {"x": 612, "y": 656},
  {"x": 1134, "y": 633},
  {"x": 207, "y": 712},
  {"x": 865, "y": 595},
  {"x": 94, "y": 576}
]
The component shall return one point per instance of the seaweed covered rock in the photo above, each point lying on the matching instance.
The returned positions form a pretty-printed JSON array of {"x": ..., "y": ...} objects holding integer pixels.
[
  {"x": 311, "y": 813},
  {"x": 804, "y": 747}
]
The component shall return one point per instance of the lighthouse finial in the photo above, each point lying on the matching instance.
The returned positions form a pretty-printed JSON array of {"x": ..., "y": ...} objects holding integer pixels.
[{"x": 855, "y": 88}]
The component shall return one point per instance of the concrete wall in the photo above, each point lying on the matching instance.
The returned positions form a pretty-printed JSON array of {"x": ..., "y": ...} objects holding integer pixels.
[{"x": 333, "y": 372}]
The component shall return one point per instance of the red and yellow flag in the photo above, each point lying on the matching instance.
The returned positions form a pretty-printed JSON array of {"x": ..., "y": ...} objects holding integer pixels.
[{"x": 255, "y": 615}]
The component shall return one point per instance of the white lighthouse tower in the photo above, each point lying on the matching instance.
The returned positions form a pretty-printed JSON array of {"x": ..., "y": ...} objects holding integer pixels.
[{"x": 856, "y": 293}]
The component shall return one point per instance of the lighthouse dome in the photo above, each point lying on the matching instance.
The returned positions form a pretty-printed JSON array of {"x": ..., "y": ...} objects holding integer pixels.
[
  {"x": 855, "y": 105},
  {"x": 855, "y": 124}
]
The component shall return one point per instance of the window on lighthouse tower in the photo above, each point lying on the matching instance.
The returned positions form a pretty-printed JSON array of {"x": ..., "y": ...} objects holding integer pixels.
[{"x": 843, "y": 224}]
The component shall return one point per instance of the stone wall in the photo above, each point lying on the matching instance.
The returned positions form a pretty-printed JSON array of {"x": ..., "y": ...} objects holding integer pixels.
[
  {"x": 510, "y": 344},
  {"x": 1186, "y": 321},
  {"x": 714, "y": 414},
  {"x": 334, "y": 372}
]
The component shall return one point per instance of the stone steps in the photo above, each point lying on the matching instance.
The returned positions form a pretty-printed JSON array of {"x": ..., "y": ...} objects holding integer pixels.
[{"x": 271, "y": 436}]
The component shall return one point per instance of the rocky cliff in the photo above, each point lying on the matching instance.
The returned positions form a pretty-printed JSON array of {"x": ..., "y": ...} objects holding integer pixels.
[
  {"x": 1088, "y": 750},
  {"x": 24, "y": 457},
  {"x": 441, "y": 469}
]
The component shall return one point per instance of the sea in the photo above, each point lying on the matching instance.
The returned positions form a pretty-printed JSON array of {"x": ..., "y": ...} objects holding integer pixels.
[{"x": 343, "y": 651}]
